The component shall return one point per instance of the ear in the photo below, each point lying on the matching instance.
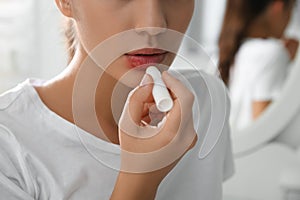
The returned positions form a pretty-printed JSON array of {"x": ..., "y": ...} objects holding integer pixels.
[{"x": 65, "y": 7}]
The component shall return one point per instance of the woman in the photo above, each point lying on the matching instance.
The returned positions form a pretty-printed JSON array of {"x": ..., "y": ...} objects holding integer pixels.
[
  {"x": 253, "y": 60},
  {"x": 50, "y": 149}
]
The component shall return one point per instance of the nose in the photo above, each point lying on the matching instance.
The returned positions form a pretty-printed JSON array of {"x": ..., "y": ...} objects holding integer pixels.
[{"x": 150, "y": 17}]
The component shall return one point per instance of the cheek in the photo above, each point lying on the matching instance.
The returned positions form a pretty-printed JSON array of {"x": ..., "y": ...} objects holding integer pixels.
[
  {"x": 92, "y": 33},
  {"x": 95, "y": 25},
  {"x": 180, "y": 18}
]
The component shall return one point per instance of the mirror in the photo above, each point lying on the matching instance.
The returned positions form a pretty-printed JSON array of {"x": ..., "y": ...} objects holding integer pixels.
[
  {"x": 274, "y": 120},
  {"x": 276, "y": 117},
  {"x": 267, "y": 154},
  {"x": 267, "y": 150}
]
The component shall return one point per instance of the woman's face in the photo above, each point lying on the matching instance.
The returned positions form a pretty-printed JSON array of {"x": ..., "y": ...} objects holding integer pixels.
[{"x": 98, "y": 20}]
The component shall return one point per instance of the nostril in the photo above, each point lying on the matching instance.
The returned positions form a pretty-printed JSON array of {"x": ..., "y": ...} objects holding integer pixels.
[
  {"x": 151, "y": 34},
  {"x": 152, "y": 31}
]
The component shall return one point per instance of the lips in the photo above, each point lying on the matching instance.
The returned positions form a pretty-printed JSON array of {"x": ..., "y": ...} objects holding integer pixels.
[{"x": 145, "y": 57}]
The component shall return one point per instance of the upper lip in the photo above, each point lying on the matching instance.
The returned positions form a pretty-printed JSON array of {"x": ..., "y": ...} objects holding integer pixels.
[{"x": 147, "y": 51}]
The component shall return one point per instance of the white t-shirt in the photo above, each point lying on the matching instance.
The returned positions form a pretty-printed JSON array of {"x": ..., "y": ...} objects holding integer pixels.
[
  {"x": 43, "y": 157},
  {"x": 258, "y": 74}
]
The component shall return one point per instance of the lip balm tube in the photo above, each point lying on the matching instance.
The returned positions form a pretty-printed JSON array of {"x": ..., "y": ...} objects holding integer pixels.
[{"x": 162, "y": 98}]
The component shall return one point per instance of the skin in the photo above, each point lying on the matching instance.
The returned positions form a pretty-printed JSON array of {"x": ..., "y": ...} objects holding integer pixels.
[
  {"x": 292, "y": 46},
  {"x": 88, "y": 15},
  {"x": 94, "y": 19},
  {"x": 258, "y": 107},
  {"x": 272, "y": 23}
]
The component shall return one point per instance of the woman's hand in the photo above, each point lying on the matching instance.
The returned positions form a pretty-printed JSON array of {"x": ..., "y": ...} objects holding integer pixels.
[{"x": 149, "y": 153}]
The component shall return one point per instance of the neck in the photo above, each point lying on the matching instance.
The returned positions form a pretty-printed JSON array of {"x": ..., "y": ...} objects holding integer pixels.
[
  {"x": 259, "y": 28},
  {"x": 257, "y": 31},
  {"x": 58, "y": 95}
]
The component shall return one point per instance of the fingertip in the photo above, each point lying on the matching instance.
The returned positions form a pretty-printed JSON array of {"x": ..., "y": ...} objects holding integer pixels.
[
  {"x": 170, "y": 80},
  {"x": 165, "y": 74},
  {"x": 166, "y": 77},
  {"x": 145, "y": 90},
  {"x": 146, "y": 80}
]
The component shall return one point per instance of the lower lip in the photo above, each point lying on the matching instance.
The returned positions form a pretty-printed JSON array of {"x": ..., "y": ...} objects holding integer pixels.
[{"x": 136, "y": 61}]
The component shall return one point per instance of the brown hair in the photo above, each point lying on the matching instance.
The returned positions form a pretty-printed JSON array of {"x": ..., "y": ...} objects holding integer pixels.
[
  {"x": 238, "y": 17},
  {"x": 71, "y": 37}
]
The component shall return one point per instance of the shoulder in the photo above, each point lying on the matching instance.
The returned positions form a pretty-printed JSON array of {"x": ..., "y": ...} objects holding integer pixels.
[
  {"x": 263, "y": 49},
  {"x": 7, "y": 98},
  {"x": 14, "y": 169},
  {"x": 260, "y": 45},
  {"x": 211, "y": 110},
  {"x": 258, "y": 55},
  {"x": 14, "y": 108},
  {"x": 211, "y": 113},
  {"x": 17, "y": 101}
]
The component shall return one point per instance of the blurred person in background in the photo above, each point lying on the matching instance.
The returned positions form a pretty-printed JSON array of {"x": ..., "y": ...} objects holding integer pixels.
[{"x": 254, "y": 57}]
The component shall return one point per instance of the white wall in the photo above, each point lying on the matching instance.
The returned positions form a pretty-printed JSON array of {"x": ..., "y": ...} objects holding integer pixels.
[
  {"x": 16, "y": 33},
  {"x": 204, "y": 29},
  {"x": 294, "y": 26},
  {"x": 31, "y": 42},
  {"x": 211, "y": 23},
  {"x": 51, "y": 46}
]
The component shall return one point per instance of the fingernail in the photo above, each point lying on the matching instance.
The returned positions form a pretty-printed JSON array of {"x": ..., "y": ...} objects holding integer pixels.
[{"x": 146, "y": 80}]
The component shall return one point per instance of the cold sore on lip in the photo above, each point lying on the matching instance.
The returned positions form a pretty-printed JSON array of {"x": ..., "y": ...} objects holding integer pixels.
[{"x": 145, "y": 57}]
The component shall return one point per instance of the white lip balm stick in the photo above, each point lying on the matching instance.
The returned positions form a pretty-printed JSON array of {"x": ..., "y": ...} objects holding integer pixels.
[{"x": 162, "y": 98}]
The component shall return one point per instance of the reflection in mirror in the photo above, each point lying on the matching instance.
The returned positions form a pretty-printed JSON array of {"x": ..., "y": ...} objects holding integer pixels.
[
  {"x": 267, "y": 153},
  {"x": 254, "y": 57},
  {"x": 266, "y": 160}
]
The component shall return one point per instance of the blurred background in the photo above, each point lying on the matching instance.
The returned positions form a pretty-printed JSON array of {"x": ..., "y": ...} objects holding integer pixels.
[{"x": 31, "y": 42}]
